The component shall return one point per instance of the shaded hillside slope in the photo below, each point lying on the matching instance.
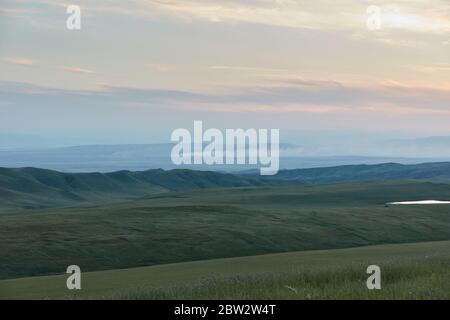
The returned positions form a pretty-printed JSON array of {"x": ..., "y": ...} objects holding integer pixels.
[
  {"x": 218, "y": 223},
  {"x": 438, "y": 171},
  {"x": 39, "y": 188}
]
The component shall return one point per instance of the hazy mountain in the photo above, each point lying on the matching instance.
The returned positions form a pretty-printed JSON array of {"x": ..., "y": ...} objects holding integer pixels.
[
  {"x": 101, "y": 158},
  {"x": 109, "y": 158}
]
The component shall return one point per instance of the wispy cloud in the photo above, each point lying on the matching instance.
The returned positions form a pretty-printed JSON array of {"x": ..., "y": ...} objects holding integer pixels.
[
  {"x": 245, "y": 69},
  {"x": 319, "y": 107},
  {"x": 304, "y": 97},
  {"x": 161, "y": 67},
  {"x": 423, "y": 16},
  {"x": 431, "y": 68},
  {"x": 12, "y": 11},
  {"x": 19, "y": 61},
  {"x": 277, "y": 13},
  {"x": 78, "y": 70}
]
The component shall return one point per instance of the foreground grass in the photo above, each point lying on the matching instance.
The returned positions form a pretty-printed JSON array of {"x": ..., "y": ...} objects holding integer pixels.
[
  {"x": 404, "y": 280},
  {"x": 409, "y": 271}
]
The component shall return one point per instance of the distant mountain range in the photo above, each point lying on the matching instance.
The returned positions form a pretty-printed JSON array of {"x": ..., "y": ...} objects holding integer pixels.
[
  {"x": 106, "y": 158},
  {"x": 134, "y": 157},
  {"x": 39, "y": 188}
]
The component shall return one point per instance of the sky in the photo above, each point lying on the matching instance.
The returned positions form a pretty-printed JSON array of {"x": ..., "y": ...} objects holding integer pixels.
[{"x": 138, "y": 69}]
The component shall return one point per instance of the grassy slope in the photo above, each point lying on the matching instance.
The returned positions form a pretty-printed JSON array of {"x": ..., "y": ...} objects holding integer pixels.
[
  {"x": 439, "y": 171},
  {"x": 409, "y": 271},
  {"x": 39, "y": 188},
  {"x": 218, "y": 223}
]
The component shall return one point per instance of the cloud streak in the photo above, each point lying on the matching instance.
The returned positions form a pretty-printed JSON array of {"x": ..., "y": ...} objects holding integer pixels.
[
  {"x": 307, "y": 96},
  {"x": 419, "y": 16},
  {"x": 77, "y": 70},
  {"x": 19, "y": 61},
  {"x": 319, "y": 106}
]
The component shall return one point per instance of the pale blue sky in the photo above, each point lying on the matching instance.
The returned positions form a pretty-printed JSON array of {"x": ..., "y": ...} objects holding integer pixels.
[{"x": 139, "y": 69}]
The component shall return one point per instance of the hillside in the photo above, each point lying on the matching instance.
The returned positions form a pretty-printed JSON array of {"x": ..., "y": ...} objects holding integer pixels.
[
  {"x": 439, "y": 171},
  {"x": 409, "y": 271},
  {"x": 218, "y": 223},
  {"x": 39, "y": 188}
]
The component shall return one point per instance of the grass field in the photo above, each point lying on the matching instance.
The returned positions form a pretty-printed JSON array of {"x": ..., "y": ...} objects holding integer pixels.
[
  {"x": 267, "y": 242},
  {"x": 408, "y": 271},
  {"x": 218, "y": 223}
]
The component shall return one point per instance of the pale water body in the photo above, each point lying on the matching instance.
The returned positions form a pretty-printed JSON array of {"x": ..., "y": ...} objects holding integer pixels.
[{"x": 419, "y": 202}]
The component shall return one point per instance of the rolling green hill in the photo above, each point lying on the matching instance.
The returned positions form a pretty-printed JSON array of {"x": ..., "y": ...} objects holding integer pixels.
[
  {"x": 408, "y": 271},
  {"x": 439, "y": 171},
  {"x": 39, "y": 188},
  {"x": 218, "y": 223}
]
